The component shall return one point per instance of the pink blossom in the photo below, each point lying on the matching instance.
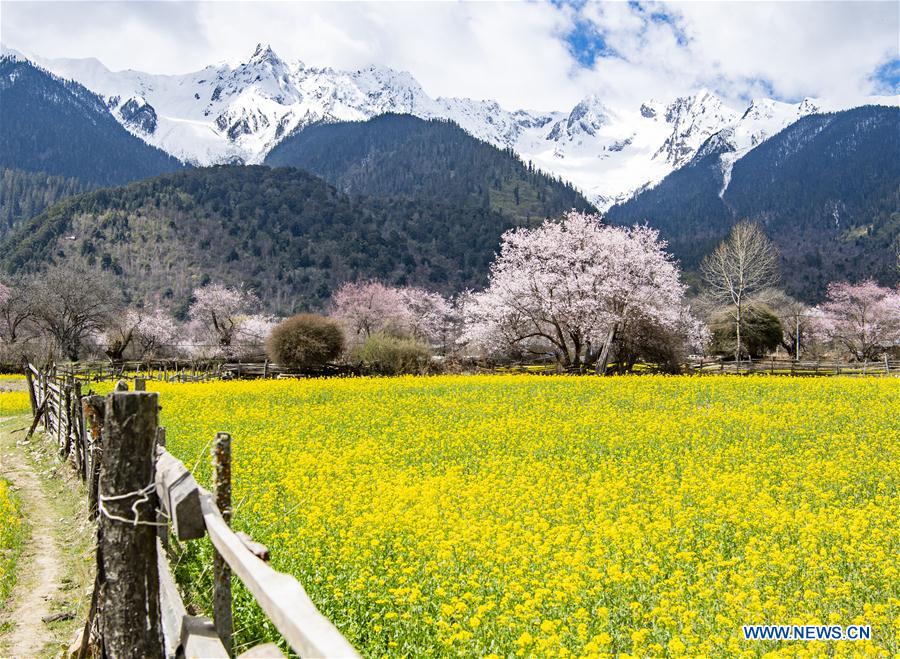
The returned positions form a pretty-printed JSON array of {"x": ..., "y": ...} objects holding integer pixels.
[{"x": 562, "y": 288}]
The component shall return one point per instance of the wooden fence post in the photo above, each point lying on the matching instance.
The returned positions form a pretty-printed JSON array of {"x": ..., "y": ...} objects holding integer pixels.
[
  {"x": 60, "y": 444},
  {"x": 68, "y": 427},
  {"x": 140, "y": 384},
  {"x": 32, "y": 398},
  {"x": 77, "y": 413},
  {"x": 160, "y": 516},
  {"x": 222, "y": 614},
  {"x": 130, "y": 621},
  {"x": 93, "y": 408}
]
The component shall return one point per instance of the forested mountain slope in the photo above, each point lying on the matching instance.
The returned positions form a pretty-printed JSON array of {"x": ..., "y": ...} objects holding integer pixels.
[
  {"x": 59, "y": 128},
  {"x": 57, "y": 138},
  {"x": 25, "y": 194},
  {"x": 283, "y": 232},
  {"x": 826, "y": 189},
  {"x": 401, "y": 155}
]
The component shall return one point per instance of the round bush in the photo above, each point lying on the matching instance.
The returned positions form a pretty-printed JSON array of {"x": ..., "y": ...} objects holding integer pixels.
[{"x": 305, "y": 341}]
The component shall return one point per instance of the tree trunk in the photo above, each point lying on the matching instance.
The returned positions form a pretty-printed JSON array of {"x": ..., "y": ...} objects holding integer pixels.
[
  {"x": 130, "y": 621},
  {"x": 737, "y": 333},
  {"x": 603, "y": 361}
]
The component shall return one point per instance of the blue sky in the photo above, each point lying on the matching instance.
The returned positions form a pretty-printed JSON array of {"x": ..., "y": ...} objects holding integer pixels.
[
  {"x": 535, "y": 55},
  {"x": 586, "y": 42},
  {"x": 887, "y": 77},
  {"x": 590, "y": 47}
]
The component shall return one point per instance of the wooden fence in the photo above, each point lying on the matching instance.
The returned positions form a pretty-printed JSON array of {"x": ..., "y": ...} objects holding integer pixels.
[
  {"x": 167, "y": 370},
  {"x": 137, "y": 493},
  {"x": 173, "y": 370},
  {"x": 774, "y": 366}
]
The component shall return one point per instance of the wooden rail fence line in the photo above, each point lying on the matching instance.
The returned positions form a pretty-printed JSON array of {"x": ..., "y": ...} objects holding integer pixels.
[
  {"x": 175, "y": 370},
  {"x": 775, "y": 366},
  {"x": 137, "y": 492},
  {"x": 202, "y": 371}
]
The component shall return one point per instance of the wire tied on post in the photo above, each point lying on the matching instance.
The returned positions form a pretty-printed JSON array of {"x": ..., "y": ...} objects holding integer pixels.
[{"x": 143, "y": 496}]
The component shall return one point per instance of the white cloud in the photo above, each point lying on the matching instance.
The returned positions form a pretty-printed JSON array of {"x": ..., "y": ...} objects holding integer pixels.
[
  {"x": 514, "y": 52},
  {"x": 744, "y": 49}
]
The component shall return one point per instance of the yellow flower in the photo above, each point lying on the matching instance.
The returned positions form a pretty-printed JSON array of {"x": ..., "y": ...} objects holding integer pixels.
[{"x": 563, "y": 514}]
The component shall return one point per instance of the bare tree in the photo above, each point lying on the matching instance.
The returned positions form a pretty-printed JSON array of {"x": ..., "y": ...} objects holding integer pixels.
[
  {"x": 70, "y": 303},
  {"x": 742, "y": 265},
  {"x": 16, "y": 310}
]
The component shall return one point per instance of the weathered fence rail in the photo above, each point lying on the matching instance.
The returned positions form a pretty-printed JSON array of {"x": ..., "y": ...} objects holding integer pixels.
[
  {"x": 138, "y": 491},
  {"x": 775, "y": 366},
  {"x": 168, "y": 370},
  {"x": 173, "y": 370},
  {"x": 56, "y": 405}
]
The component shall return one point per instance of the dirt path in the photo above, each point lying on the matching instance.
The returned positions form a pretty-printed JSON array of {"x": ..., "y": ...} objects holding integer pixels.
[
  {"x": 48, "y": 581},
  {"x": 39, "y": 566}
]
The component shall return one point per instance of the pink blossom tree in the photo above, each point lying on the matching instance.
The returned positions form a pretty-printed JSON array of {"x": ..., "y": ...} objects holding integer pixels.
[
  {"x": 217, "y": 311},
  {"x": 146, "y": 332},
  {"x": 370, "y": 307},
  {"x": 429, "y": 316},
  {"x": 154, "y": 331},
  {"x": 251, "y": 334},
  {"x": 568, "y": 287},
  {"x": 863, "y": 318},
  {"x": 116, "y": 337}
]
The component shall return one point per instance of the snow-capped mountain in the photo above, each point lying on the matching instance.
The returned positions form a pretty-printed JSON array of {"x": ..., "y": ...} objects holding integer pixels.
[
  {"x": 60, "y": 128},
  {"x": 237, "y": 112}
]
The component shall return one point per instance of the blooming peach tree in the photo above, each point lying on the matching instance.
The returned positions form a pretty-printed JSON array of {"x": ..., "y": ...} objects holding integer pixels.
[
  {"x": 370, "y": 307},
  {"x": 568, "y": 287},
  {"x": 864, "y": 318}
]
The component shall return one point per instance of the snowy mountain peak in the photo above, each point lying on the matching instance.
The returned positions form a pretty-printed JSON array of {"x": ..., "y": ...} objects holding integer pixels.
[
  {"x": 809, "y": 106},
  {"x": 693, "y": 119},
  {"x": 264, "y": 54},
  {"x": 585, "y": 120},
  {"x": 588, "y": 116},
  {"x": 690, "y": 109}
]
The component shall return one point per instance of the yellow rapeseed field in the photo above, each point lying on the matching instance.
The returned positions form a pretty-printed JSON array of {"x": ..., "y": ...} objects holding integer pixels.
[
  {"x": 524, "y": 515},
  {"x": 14, "y": 402}
]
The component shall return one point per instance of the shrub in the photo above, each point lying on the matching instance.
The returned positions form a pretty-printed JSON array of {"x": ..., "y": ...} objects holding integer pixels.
[
  {"x": 305, "y": 341},
  {"x": 760, "y": 332},
  {"x": 391, "y": 355}
]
